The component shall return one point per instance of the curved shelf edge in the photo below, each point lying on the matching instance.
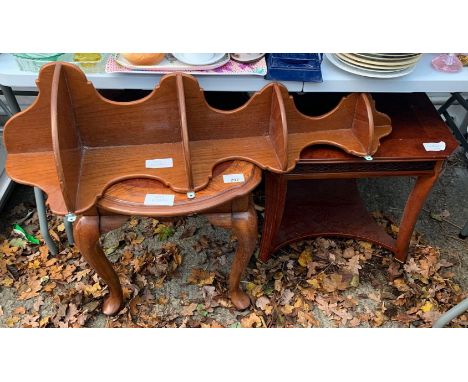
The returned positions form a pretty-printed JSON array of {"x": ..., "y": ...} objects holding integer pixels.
[{"x": 197, "y": 205}]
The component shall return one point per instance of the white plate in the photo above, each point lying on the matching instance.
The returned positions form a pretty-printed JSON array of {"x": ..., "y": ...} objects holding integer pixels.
[
  {"x": 375, "y": 57},
  {"x": 375, "y": 68},
  {"x": 374, "y": 63},
  {"x": 366, "y": 72},
  {"x": 246, "y": 58},
  {"x": 187, "y": 58},
  {"x": 169, "y": 64}
]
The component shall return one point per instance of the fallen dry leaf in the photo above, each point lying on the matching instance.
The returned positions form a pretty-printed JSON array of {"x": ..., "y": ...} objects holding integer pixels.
[
  {"x": 94, "y": 290},
  {"x": 188, "y": 232},
  {"x": 353, "y": 265},
  {"x": 334, "y": 282},
  {"x": 262, "y": 302},
  {"x": 254, "y": 289},
  {"x": 30, "y": 321},
  {"x": 379, "y": 318},
  {"x": 411, "y": 266},
  {"x": 285, "y": 297},
  {"x": 314, "y": 283},
  {"x": 251, "y": 321},
  {"x": 287, "y": 309},
  {"x": 431, "y": 316},
  {"x": 32, "y": 291},
  {"x": 354, "y": 322},
  {"x": 72, "y": 315},
  {"x": 49, "y": 287},
  {"x": 305, "y": 258},
  {"x": 306, "y": 319},
  {"x": 394, "y": 270},
  {"x": 209, "y": 293},
  {"x": 278, "y": 285},
  {"x": 34, "y": 264},
  {"x": 427, "y": 307},
  {"x": 365, "y": 245},
  {"x": 19, "y": 310},
  {"x": 189, "y": 309},
  {"x": 7, "y": 281},
  {"x": 375, "y": 296},
  {"x": 44, "y": 321},
  {"x": 401, "y": 285},
  {"x": 201, "y": 277},
  {"x": 348, "y": 253},
  {"x": 212, "y": 324},
  {"x": 11, "y": 321}
]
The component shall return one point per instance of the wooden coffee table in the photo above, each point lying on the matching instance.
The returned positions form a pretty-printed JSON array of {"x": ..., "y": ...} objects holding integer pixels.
[{"x": 320, "y": 196}]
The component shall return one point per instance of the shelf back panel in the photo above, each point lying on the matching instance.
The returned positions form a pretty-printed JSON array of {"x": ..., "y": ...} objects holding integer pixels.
[
  {"x": 30, "y": 129},
  {"x": 102, "y": 122},
  {"x": 349, "y": 126},
  {"x": 205, "y": 122}
]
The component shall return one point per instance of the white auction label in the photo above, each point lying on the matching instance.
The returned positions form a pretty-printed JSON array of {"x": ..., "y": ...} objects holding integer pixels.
[
  {"x": 434, "y": 146},
  {"x": 159, "y": 163},
  {"x": 233, "y": 178},
  {"x": 159, "y": 200}
]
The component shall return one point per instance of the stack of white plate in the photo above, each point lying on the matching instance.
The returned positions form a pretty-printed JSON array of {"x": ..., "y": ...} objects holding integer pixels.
[{"x": 379, "y": 65}]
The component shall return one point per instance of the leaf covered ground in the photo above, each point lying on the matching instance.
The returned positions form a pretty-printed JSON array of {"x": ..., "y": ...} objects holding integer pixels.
[{"x": 174, "y": 274}]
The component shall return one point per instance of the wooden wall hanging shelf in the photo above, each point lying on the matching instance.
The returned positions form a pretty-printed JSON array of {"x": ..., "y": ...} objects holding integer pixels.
[{"x": 74, "y": 144}]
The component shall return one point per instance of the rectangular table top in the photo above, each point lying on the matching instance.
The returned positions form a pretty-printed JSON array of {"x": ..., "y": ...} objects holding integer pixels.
[
  {"x": 422, "y": 79},
  {"x": 414, "y": 122}
]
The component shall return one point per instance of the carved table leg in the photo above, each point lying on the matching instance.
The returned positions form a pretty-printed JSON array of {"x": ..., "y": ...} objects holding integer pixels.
[
  {"x": 86, "y": 231},
  {"x": 413, "y": 207},
  {"x": 275, "y": 198},
  {"x": 244, "y": 226}
]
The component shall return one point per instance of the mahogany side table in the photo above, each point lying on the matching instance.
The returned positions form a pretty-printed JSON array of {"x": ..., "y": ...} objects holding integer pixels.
[{"x": 320, "y": 196}]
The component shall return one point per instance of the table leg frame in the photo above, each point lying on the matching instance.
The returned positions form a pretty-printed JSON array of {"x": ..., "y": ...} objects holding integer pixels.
[
  {"x": 313, "y": 212},
  {"x": 87, "y": 230},
  {"x": 413, "y": 207}
]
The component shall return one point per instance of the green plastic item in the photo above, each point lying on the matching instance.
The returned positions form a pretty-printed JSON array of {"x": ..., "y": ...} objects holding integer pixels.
[{"x": 20, "y": 230}]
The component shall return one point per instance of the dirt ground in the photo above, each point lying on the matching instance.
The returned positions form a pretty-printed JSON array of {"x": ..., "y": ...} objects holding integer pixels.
[{"x": 174, "y": 274}]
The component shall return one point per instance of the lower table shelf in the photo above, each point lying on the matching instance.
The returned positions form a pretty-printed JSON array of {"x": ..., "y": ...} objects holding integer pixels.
[{"x": 327, "y": 208}]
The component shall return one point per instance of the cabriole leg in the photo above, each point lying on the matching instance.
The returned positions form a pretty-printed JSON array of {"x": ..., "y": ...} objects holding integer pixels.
[
  {"x": 86, "y": 233},
  {"x": 244, "y": 225}
]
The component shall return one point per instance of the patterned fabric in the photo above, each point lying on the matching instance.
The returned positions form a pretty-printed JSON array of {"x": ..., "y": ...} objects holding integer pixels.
[{"x": 258, "y": 68}]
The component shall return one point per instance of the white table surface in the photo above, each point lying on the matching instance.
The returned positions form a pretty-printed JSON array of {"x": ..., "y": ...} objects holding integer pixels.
[
  {"x": 422, "y": 79},
  {"x": 11, "y": 75}
]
